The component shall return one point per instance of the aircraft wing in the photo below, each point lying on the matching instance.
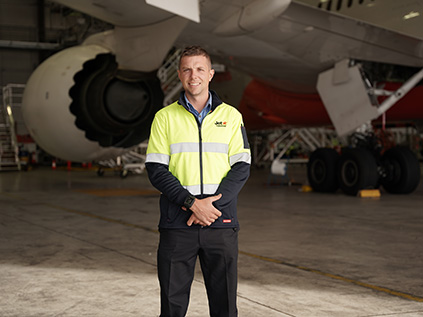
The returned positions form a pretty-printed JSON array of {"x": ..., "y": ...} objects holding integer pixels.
[
  {"x": 287, "y": 50},
  {"x": 283, "y": 44}
]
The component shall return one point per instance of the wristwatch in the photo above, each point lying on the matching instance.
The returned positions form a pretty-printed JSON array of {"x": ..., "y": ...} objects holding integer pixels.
[{"x": 189, "y": 201}]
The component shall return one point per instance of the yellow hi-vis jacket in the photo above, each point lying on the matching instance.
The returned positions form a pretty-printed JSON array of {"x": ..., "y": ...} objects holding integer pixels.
[{"x": 186, "y": 158}]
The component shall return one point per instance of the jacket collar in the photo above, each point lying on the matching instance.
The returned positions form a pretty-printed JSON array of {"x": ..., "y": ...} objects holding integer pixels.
[{"x": 215, "y": 100}]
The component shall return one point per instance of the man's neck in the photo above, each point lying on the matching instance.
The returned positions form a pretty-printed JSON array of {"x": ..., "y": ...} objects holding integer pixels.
[{"x": 198, "y": 102}]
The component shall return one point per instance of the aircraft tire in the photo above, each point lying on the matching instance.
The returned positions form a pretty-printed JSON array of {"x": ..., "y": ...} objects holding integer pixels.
[
  {"x": 357, "y": 169},
  {"x": 321, "y": 170},
  {"x": 402, "y": 170}
]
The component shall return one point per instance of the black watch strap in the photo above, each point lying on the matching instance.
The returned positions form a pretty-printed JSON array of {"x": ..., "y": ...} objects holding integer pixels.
[{"x": 189, "y": 201}]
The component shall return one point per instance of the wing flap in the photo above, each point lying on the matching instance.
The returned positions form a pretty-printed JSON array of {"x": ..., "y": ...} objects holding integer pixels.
[{"x": 188, "y": 9}]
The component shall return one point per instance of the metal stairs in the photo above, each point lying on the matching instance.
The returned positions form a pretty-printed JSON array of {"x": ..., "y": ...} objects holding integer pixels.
[
  {"x": 9, "y": 150},
  {"x": 168, "y": 76}
]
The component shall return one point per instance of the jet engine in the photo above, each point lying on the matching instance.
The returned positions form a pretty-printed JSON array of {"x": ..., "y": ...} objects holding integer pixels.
[{"x": 79, "y": 106}]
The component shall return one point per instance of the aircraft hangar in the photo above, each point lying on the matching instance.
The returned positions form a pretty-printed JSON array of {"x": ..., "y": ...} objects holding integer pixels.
[{"x": 80, "y": 239}]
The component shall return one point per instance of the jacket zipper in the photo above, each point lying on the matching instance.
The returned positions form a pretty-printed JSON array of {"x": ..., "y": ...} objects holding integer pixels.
[
  {"x": 201, "y": 152},
  {"x": 201, "y": 158}
]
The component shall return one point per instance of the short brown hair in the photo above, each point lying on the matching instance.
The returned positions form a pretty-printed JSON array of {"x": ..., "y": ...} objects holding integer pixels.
[{"x": 194, "y": 50}]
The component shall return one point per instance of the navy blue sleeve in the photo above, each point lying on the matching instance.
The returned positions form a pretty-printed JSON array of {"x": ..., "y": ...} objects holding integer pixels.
[
  {"x": 232, "y": 184},
  {"x": 162, "y": 179}
]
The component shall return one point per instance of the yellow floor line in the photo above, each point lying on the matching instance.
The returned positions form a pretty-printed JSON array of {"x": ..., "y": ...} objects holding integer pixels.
[
  {"x": 333, "y": 276},
  {"x": 337, "y": 277}
]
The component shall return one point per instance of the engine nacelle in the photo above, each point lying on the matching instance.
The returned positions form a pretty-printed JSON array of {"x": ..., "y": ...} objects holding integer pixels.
[{"x": 79, "y": 106}]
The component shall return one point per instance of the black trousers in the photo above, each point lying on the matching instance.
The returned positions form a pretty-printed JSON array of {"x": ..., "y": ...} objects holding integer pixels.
[{"x": 217, "y": 250}]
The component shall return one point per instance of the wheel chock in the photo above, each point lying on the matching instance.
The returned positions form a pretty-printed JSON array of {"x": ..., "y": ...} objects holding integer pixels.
[
  {"x": 369, "y": 193},
  {"x": 306, "y": 189}
]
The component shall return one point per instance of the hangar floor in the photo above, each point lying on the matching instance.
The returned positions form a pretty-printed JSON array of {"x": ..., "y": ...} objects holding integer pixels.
[{"x": 74, "y": 244}]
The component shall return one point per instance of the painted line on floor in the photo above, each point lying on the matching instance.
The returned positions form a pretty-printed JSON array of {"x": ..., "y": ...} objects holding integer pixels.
[
  {"x": 337, "y": 277},
  {"x": 87, "y": 214},
  {"x": 113, "y": 192},
  {"x": 303, "y": 268},
  {"x": 252, "y": 255}
]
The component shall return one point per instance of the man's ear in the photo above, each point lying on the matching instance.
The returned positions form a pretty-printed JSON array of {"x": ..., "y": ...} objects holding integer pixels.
[{"x": 211, "y": 74}]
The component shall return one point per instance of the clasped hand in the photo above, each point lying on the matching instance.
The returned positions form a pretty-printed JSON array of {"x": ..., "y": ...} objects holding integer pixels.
[{"x": 203, "y": 211}]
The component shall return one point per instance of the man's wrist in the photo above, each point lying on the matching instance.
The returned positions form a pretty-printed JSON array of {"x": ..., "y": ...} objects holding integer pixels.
[{"x": 189, "y": 201}]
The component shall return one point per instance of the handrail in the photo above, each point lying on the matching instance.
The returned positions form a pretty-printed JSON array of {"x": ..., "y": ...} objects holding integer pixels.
[
  {"x": 9, "y": 119},
  {"x": 13, "y": 137},
  {"x": 168, "y": 76}
]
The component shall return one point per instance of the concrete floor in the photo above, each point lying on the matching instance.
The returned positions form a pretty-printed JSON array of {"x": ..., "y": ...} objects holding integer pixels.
[{"x": 75, "y": 244}]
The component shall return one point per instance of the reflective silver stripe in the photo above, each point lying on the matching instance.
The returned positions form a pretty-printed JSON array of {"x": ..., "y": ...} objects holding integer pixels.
[
  {"x": 214, "y": 147},
  {"x": 184, "y": 147},
  {"x": 209, "y": 189},
  {"x": 157, "y": 158},
  {"x": 194, "y": 189},
  {"x": 240, "y": 157},
  {"x": 210, "y": 147}
]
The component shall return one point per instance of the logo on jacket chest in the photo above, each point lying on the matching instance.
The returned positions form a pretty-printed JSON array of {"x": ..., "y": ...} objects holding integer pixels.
[{"x": 220, "y": 124}]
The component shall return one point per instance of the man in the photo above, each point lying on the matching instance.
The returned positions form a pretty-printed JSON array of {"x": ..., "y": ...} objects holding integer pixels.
[{"x": 199, "y": 158}]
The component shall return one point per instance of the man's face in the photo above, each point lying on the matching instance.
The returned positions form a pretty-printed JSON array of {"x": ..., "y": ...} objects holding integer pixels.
[{"x": 195, "y": 73}]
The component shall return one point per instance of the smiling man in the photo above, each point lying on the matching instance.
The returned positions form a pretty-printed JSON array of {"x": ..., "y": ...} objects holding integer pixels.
[
  {"x": 195, "y": 73},
  {"x": 199, "y": 158}
]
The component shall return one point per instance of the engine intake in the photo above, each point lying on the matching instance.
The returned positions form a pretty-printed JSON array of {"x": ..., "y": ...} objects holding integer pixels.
[
  {"x": 114, "y": 107},
  {"x": 79, "y": 106}
]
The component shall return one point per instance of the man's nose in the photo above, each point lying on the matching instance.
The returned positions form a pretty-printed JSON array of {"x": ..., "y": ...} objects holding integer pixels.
[{"x": 194, "y": 74}]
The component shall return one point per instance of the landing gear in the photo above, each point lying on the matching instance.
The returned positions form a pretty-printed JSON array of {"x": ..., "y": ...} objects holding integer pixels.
[
  {"x": 401, "y": 171},
  {"x": 397, "y": 170},
  {"x": 357, "y": 169},
  {"x": 321, "y": 170}
]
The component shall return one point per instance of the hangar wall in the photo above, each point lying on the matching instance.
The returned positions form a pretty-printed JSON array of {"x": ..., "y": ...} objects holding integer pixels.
[
  {"x": 36, "y": 24},
  {"x": 18, "y": 22}
]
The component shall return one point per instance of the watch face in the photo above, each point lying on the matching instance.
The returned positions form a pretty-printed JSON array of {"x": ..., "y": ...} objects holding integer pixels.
[{"x": 189, "y": 201}]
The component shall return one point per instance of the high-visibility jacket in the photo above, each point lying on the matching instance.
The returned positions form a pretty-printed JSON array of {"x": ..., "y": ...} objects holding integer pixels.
[{"x": 186, "y": 158}]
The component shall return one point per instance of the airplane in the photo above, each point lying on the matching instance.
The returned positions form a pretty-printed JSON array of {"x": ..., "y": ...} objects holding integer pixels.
[{"x": 313, "y": 63}]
